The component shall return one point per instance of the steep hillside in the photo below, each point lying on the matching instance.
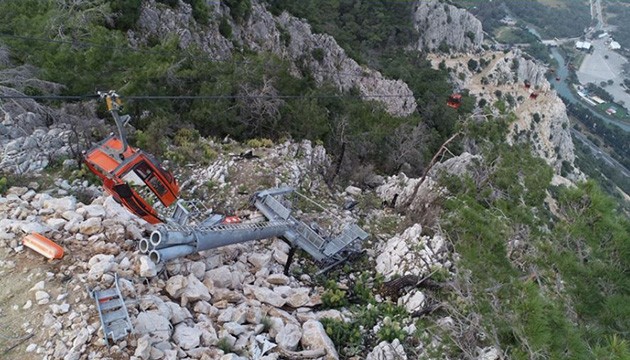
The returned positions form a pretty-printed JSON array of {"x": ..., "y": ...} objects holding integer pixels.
[
  {"x": 510, "y": 83},
  {"x": 445, "y": 27},
  {"x": 486, "y": 240}
]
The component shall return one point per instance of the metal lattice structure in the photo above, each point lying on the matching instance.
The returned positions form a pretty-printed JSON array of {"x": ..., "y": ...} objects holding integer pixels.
[{"x": 179, "y": 239}]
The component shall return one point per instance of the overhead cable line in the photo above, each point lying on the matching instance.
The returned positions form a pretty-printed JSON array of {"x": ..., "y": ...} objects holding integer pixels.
[{"x": 202, "y": 97}]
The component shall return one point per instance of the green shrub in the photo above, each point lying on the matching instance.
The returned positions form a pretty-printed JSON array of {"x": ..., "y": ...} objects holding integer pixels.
[
  {"x": 186, "y": 135},
  {"x": 318, "y": 54},
  {"x": 333, "y": 297},
  {"x": 3, "y": 185},
  {"x": 127, "y": 13},
  {"x": 239, "y": 9},
  {"x": 346, "y": 336},
  {"x": 390, "y": 330},
  {"x": 200, "y": 11},
  {"x": 225, "y": 346},
  {"x": 225, "y": 29}
]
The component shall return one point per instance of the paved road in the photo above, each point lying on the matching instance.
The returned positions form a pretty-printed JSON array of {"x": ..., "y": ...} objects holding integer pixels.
[{"x": 598, "y": 153}]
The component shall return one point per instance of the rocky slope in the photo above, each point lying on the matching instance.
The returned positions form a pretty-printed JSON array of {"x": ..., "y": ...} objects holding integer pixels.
[
  {"x": 439, "y": 23},
  {"x": 229, "y": 303},
  {"x": 541, "y": 117},
  {"x": 27, "y": 143},
  {"x": 262, "y": 31}
]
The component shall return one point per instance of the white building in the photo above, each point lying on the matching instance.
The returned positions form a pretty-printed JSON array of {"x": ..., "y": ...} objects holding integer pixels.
[
  {"x": 615, "y": 45},
  {"x": 583, "y": 45}
]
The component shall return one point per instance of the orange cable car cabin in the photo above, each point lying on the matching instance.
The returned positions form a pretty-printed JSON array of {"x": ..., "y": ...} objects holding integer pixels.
[
  {"x": 454, "y": 101},
  {"x": 134, "y": 178},
  {"x": 128, "y": 174}
]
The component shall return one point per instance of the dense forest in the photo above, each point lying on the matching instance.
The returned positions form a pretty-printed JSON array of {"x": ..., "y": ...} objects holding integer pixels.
[
  {"x": 567, "y": 20},
  {"x": 613, "y": 135},
  {"x": 618, "y": 14}
]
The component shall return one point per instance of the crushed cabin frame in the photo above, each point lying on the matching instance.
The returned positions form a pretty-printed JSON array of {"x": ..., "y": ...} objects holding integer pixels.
[{"x": 121, "y": 167}]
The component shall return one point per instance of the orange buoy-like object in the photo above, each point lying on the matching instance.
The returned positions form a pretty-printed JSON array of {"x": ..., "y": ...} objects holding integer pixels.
[{"x": 43, "y": 245}]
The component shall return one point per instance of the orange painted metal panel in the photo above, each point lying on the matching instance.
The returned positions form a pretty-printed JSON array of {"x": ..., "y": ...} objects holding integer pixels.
[{"x": 43, "y": 245}]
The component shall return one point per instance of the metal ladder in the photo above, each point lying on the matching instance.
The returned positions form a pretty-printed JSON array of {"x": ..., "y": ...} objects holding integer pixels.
[{"x": 113, "y": 313}]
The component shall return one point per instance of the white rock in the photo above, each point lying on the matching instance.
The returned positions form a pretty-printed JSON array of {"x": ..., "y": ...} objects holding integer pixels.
[
  {"x": 353, "y": 190},
  {"x": 412, "y": 301},
  {"x": 259, "y": 260},
  {"x": 99, "y": 265},
  {"x": 175, "y": 286},
  {"x": 189, "y": 288},
  {"x": 289, "y": 337},
  {"x": 178, "y": 313},
  {"x": 31, "y": 227},
  {"x": 56, "y": 223},
  {"x": 94, "y": 211},
  {"x": 232, "y": 357},
  {"x": 132, "y": 231},
  {"x": 154, "y": 324},
  {"x": 280, "y": 257},
  {"x": 234, "y": 328},
  {"x": 299, "y": 297},
  {"x": 198, "y": 269},
  {"x": 38, "y": 286},
  {"x": 124, "y": 264},
  {"x": 41, "y": 296},
  {"x": 61, "y": 205},
  {"x": 147, "y": 267},
  {"x": 220, "y": 277},
  {"x": 314, "y": 337},
  {"x": 278, "y": 279},
  {"x": 281, "y": 246},
  {"x": 71, "y": 215},
  {"x": 187, "y": 337},
  {"x": 387, "y": 351},
  {"x": 410, "y": 253},
  {"x": 195, "y": 290},
  {"x": 143, "y": 349},
  {"x": 91, "y": 226},
  {"x": 60, "y": 309},
  {"x": 82, "y": 337},
  {"x": 267, "y": 296},
  {"x": 31, "y": 348},
  {"x": 489, "y": 353}
]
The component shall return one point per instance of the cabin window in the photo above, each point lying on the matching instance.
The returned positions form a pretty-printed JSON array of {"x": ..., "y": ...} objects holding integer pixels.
[{"x": 157, "y": 185}]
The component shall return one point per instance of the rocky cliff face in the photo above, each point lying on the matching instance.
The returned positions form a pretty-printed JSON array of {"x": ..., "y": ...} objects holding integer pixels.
[
  {"x": 541, "y": 115},
  {"x": 439, "y": 23},
  {"x": 263, "y": 31},
  {"x": 27, "y": 144},
  {"x": 34, "y": 135}
]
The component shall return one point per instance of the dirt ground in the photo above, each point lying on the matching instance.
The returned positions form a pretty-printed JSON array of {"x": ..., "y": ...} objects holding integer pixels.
[{"x": 19, "y": 272}]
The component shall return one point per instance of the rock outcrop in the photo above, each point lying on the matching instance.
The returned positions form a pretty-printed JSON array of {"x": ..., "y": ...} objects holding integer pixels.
[
  {"x": 520, "y": 83},
  {"x": 263, "y": 32},
  {"x": 442, "y": 25},
  {"x": 34, "y": 135},
  {"x": 226, "y": 303}
]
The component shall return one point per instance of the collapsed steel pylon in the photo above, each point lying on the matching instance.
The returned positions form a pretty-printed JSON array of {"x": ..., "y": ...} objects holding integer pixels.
[{"x": 173, "y": 241}]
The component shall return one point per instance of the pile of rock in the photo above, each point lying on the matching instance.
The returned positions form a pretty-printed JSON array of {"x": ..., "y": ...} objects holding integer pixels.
[{"x": 229, "y": 303}]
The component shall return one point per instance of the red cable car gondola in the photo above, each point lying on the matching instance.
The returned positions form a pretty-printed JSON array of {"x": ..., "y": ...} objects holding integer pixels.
[
  {"x": 133, "y": 177},
  {"x": 454, "y": 101}
]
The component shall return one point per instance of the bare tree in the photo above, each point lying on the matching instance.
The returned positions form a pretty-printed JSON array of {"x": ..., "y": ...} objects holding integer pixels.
[
  {"x": 259, "y": 106},
  {"x": 408, "y": 145}
]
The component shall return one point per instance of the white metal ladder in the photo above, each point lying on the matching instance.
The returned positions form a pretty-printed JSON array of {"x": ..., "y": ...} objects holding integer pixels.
[{"x": 113, "y": 313}]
